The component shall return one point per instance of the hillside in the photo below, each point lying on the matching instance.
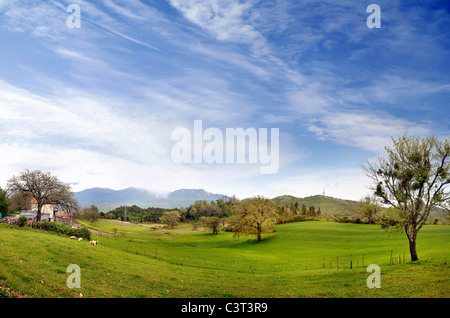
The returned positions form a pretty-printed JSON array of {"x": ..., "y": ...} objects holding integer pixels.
[
  {"x": 336, "y": 206},
  {"x": 304, "y": 259},
  {"x": 339, "y": 207}
]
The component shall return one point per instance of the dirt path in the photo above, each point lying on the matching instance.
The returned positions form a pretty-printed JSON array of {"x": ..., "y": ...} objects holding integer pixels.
[{"x": 100, "y": 233}]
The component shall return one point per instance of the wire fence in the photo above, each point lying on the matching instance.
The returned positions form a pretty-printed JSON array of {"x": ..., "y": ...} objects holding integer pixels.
[{"x": 187, "y": 257}]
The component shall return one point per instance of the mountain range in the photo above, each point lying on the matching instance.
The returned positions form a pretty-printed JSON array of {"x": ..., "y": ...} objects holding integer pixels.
[{"x": 107, "y": 199}]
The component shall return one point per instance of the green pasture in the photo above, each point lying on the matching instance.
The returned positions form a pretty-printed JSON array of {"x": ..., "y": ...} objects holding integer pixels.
[{"x": 304, "y": 259}]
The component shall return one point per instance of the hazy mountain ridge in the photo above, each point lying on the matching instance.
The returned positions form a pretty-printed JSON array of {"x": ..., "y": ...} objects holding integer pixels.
[{"x": 107, "y": 199}]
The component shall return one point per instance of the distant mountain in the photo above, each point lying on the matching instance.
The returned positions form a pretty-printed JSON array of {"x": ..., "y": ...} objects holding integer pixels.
[
  {"x": 193, "y": 194},
  {"x": 327, "y": 204},
  {"x": 108, "y": 199}
]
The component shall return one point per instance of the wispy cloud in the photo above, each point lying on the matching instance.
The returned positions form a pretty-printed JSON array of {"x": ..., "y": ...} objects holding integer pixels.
[{"x": 103, "y": 99}]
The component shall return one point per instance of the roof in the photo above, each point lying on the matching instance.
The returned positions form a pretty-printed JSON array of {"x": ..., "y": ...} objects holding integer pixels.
[{"x": 34, "y": 201}]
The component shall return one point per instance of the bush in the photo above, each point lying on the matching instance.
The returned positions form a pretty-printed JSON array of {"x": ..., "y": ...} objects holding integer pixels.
[
  {"x": 296, "y": 218},
  {"x": 22, "y": 221},
  {"x": 62, "y": 229}
]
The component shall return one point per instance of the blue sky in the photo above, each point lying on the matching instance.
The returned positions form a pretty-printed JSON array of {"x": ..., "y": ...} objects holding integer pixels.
[{"x": 96, "y": 106}]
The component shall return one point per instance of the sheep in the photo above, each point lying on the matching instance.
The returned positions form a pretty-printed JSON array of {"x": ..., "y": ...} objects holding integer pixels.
[
  {"x": 72, "y": 237},
  {"x": 93, "y": 243},
  {"x": 80, "y": 239}
]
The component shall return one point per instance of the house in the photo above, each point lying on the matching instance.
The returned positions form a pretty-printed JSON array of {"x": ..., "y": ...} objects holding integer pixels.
[
  {"x": 46, "y": 208},
  {"x": 47, "y": 211}
]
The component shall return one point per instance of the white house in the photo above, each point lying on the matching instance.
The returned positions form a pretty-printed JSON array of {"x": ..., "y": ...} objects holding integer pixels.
[{"x": 47, "y": 211}]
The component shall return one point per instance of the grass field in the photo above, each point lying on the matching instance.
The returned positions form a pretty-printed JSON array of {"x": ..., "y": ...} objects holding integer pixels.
[{"x": 306, "y": 259}]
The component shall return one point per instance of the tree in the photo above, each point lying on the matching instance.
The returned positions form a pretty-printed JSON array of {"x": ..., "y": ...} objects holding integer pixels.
[
  {"x": 43, "y": 187},
  {"x": 412, "y": 179},
  {"x": 213, "y": 223},
  {"x": 369, "y": 208},
  {"x": 304, "y": 210},
  {"x": 255, "y": 215},
  {"x": 4, "y": 204},
  {"x": 88, "y": 213},
  {"x": 171, "y": 218}
]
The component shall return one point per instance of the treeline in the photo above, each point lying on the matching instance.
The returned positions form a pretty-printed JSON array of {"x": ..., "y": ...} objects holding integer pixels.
[
  {"x": 135, "y": 214},
  {"x": 286, "y": 212}
]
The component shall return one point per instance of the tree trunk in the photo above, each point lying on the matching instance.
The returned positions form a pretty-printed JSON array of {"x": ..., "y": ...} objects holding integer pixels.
[
  {"x": 38, "y": 215},
  {"x": 412, "y": 244}
]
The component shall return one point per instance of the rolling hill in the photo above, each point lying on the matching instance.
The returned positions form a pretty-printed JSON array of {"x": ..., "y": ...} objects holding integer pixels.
[{"x": 336, "y": 206}]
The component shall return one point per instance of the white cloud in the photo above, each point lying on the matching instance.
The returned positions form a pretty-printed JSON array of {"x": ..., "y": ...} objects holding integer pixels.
[
  {"x": 363, "y": 130},
  {"x": 347, "y": 184},
  {"x": 224, "y": 19}
]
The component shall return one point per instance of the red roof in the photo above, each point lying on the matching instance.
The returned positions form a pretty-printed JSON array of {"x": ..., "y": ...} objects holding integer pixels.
[{"x": 35, "y": 201}]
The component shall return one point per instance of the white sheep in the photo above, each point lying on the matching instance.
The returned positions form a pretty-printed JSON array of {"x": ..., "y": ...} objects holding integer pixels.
[
  {"x": 80, "y": 239},
  {"x": 72, "y": 237}
]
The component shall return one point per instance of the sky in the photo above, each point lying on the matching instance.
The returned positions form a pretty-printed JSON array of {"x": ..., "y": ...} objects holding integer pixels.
[{"x": 96, "y": 105}]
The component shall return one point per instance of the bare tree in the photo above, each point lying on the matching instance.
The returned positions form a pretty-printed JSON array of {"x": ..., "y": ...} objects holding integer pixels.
[
  {"x": 44, "y": 188},
  {"x": 412, "y": 179}
]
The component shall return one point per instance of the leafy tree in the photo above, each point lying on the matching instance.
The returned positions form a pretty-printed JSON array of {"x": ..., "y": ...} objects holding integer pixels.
[
  {"x": 213, "y": 223},
  {"x": 255, "y": 215},
  {"x": 4, "y": 204},
  {"x": 88, "y": 213},
  {"x": 412, "y": 179},
  {"x": 171, "y": 218},
  {"x": 43, "y": 187},
  {"x": 304, "y": 210},
  {"x": 369, "y": 208}
]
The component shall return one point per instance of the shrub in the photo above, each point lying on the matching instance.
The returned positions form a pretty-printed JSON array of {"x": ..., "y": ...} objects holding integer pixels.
[
  {"x": 62, "y": 229},
  {"x": 22, "y": 221}
]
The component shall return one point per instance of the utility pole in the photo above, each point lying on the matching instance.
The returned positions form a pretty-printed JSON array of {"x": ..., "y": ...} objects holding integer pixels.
[{"x": 323, "y": 198}]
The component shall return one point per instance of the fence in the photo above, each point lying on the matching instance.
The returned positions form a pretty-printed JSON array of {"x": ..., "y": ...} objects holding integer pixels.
[{"x": 252, "y": 266}]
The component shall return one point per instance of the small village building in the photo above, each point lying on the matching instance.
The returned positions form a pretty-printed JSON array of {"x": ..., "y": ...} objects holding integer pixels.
[{"x": 49, "y": 213}]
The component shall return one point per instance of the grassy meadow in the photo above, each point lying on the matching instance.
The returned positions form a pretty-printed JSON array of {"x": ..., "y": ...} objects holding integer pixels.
[{"x": 304, "y": 259}]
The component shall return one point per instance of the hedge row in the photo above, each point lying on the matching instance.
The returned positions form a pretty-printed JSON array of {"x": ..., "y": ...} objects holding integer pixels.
[{"x": 62, "y": 229}]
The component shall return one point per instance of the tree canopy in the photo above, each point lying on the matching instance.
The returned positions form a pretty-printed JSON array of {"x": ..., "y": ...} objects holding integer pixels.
[
  {"x": 44, "y": 188},
  {"x": 255, "y": 215},
  {"x": 413, "y": 179}
]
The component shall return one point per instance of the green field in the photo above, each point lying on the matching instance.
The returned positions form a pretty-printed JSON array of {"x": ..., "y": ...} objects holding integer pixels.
[{"x": 305, "y": 259}]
